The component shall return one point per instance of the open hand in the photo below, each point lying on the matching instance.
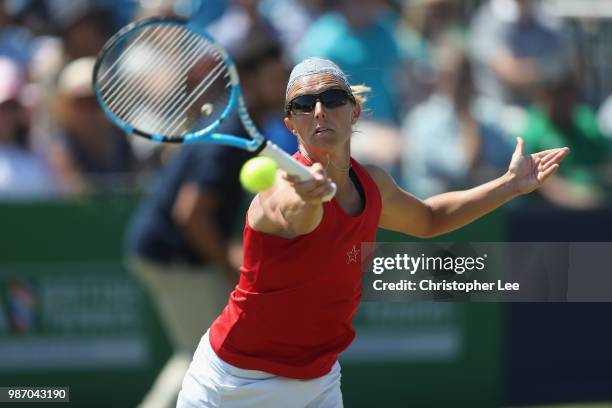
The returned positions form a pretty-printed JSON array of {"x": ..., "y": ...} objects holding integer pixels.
[{"x": 531, "y": 171}]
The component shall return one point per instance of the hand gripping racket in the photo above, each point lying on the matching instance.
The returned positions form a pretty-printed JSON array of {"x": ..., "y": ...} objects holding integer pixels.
[{"x": 169, "y": 81}]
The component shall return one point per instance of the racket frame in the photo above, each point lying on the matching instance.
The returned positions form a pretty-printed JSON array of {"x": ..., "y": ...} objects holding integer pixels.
[{"x": 258, "y": 144}]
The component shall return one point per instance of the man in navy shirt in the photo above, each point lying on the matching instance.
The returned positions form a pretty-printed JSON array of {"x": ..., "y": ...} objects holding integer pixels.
[{"x": 191, "y": 214}]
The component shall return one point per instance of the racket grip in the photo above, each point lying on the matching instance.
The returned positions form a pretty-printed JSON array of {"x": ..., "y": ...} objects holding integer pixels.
[{"x": 291, "y": 166}]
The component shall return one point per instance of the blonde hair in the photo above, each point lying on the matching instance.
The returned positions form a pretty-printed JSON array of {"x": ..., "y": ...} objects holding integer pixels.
[{"x": 360, "y": 92}]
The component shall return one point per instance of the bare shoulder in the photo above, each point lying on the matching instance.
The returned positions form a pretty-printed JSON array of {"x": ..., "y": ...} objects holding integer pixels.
[
  {"x": 375, "y": 172},
  {"x": 392, "y": 194},
  {"x": 383, "y": 180},
  {"x": 401, "y": 211}
]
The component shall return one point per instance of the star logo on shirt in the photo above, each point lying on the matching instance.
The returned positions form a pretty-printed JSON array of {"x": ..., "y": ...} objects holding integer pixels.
[{"x": 352, "y": 255}]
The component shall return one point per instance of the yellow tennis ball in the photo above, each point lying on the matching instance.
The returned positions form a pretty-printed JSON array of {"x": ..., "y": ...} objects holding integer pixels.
[{"x": 258, "y": 174}]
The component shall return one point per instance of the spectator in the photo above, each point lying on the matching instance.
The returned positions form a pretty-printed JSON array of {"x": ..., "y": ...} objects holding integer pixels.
[
  {"x": 516, "y": 46},
  {"x": 292, "y": 18},
  {"x": 88, "y": 148},
  {"x": 423, "y": 22},
  {"x": 23, "y": 174},
  {"x": 446, "y": 142},
  {"x": 359, "y": 37},
  {"x": 239, "y": 21},
  {"x": 604, "y": 117},
  {"x": 263, "y": 73},
  {"x": 557, "y": 118},
  {"x": 83, "y": 26},
  {"x": 256, "y": 47},
  {"x": 16, "y": 42}
]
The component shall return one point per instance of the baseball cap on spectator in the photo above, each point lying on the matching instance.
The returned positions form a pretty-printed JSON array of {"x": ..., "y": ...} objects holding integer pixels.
[{"x": 75, "y": 80}]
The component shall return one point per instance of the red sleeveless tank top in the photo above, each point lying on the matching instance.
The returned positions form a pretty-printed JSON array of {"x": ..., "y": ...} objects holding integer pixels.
[{"x": 291, "y": 313}]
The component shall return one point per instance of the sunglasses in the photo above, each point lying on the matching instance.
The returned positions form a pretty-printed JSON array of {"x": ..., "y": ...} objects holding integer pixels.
[{"x": 331, "y": 98}]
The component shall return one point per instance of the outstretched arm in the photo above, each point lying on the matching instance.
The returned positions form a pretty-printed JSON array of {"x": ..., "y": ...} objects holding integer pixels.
[{"x": 446, "y": 212}]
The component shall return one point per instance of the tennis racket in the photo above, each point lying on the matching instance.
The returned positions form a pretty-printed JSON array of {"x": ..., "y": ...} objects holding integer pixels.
[{"x": 167, "y": 80}]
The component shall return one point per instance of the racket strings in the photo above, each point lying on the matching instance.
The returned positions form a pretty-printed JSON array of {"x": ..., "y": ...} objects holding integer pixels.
[
  {"x": 126, "y": 65},
  {"x": 165, "y": 80},
  {"x": 131, "y": 67},
  {"x": 128, "y": 95},
  {"x": 123, "y": 101},
  {"x": 126, "y": 53},
  {"x": 156, "y": 98},
  {"x": 178, "y": 119}
]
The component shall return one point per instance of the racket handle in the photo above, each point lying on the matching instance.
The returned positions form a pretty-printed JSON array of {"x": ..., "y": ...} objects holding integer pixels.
[{"x": 291, "y": 166}]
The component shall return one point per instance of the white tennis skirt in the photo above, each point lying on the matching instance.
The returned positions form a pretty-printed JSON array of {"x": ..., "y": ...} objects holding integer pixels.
[{"x": 211, "y": 382}]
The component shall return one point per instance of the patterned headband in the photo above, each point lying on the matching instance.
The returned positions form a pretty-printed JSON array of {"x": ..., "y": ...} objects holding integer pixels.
[{"x": 316, "y": 65}]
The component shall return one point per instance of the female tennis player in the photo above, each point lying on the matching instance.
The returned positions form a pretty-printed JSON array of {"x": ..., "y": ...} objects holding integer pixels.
[{"x": 277, "y": 342}]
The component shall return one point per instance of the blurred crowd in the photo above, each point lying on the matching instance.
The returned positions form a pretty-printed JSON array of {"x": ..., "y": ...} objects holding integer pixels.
[{"x": 453, "y": 83}]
